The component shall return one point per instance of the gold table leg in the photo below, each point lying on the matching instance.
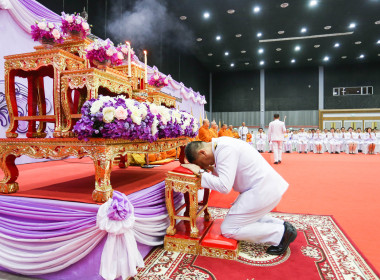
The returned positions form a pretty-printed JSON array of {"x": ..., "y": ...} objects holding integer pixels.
[
  {"x": 7, "y": 164},
  {"x": 170, "y": 206},
  {"x": 103, "y": 189},
  {"x": 193, "y": 199}
]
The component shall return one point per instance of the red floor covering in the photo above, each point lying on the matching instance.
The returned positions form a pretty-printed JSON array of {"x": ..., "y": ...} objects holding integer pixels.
[
  {"x": 74, "y": 180},
  {"x": 344, "y": 186}
]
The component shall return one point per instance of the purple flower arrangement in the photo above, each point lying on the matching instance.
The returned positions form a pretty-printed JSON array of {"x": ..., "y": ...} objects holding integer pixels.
[
  {"x": 74, "y": 23},
  {"x": 103, "y": 51},
  {"x": 46, "y": 31},
  {"x": 158, "y": 80},
  {"x": 122, "y": 118}
]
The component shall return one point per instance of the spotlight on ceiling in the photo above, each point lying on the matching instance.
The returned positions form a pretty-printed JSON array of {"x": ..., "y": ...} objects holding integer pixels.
[
  {"x": 378, "y": 42},
  {"x": 206, "y": 14},
  {"x": 262, "y": 62},
  {"x": 297, "y": 48},
  {"x": 303, "y": 29},
  {"x": 243, "y": 51},
  {"x": 218, "y": 37},
  {"x": 226, "y": 53},
  {"x": 277, "y": 61},
  {"x": 293, "y": 60},
  {"x": 199, "y": 39},
  {"x": 313, "y": 3},
  {"x": 336, "y": 45},
  {"x": 327, "y": 27},
  {"x": 284, "y": 5},
  {"x": 278, "y": 49},
  {"x": 218, "y": 65},
  {"x": 232, "y": 64},
  {"x": 344, "y": 57},
  {"x": 326, "y": 58},
  {"x": 238, "y": 35},
  {"x": 230, "y": 11},
  {"x": 317, "y": 46},
  {"x": 256, "y": 9},
  {"x": 259, "y": 34},
  {"x": 358, "y": 42},
  {"x": 352, "y": 25},
  {"x": 309, "y": 59},
  {"x": 246, "y": 63},
  {"x": 281, "y": 32},
  {"x": 183, "y": 17},
  {"x": 361, "y": 56},
  {"x": 210, "y": 54},
  {"x": 260, "y": 50}
]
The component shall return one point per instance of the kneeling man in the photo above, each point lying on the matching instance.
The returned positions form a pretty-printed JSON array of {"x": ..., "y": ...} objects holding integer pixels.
[{"x": 236, "y": 164}]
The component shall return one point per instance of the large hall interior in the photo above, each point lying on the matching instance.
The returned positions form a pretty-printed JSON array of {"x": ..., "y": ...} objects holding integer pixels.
[{"x": 189, "y": 139}]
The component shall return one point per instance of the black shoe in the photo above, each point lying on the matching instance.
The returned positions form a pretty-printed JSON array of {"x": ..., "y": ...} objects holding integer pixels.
[
  {"x": 276, "y": 162},
  {"x": 279, "y": 161},
  {"x": 300, "y": 152},
  {"x": 270, "y": 151},
  {"x": 336, "y": 152},
  {"x": 290, "y": 235},
  {"x": 305, "y": 152}
]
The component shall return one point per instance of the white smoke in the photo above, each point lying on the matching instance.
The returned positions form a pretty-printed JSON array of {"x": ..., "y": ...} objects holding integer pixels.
[{"x": 148, "y": 22}]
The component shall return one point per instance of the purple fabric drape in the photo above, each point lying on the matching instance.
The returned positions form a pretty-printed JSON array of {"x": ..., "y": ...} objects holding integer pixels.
[{"x": 40, "y": 10}]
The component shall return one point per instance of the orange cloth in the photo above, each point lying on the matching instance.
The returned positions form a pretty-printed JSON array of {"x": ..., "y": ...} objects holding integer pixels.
[
  {"x": 230, "y": 133},
  {"x": 162, "y": 156},
  {"x": 172, "y": 153},
  {"x": 223, "y": 132},
  {"x": 249, "y": 137},
  {"x": 236, "y": 135},
  {"x": 214, "y": 133},
  {"x": 204, "y": 134},
  {"x": 152, "y": 157}
]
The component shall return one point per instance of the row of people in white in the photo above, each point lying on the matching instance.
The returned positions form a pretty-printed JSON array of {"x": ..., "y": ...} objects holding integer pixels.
[{"x": 332, "y": 141}]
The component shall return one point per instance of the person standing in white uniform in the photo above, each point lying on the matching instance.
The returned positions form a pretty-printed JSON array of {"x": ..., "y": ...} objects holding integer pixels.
[
  {"x": 235, "y": 164},
  {"x": 276, "y": 133},
  {"x": 261, "y": 140},
  {"x": 243, "y": 131}
]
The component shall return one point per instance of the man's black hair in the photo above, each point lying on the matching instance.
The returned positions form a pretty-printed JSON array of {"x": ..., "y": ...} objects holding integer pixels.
[{"x": 192, "y": 149}]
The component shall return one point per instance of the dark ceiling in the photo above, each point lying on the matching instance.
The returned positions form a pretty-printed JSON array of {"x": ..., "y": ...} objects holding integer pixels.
[{"x": 278, "y": 50}]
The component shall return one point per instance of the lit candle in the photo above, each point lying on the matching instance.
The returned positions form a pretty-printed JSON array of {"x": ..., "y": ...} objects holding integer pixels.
[
  {"x": 146, "y": 66},
  {"x": 129, "y": 60}
]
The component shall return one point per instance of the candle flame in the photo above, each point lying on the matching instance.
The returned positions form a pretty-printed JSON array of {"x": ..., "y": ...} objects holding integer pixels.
[
  {"x": 145, "y": 52},
  {"x": 127, "y": 43}
]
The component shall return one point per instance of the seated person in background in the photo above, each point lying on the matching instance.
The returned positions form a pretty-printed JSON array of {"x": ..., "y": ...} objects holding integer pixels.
[
  {"x": 351, "y": 139},
  {"x": 318, "y": 142},
  {"x": 230, "y": 130},
  {"x": 287, "y": 141},
  {"x": 249, "y": 138},
  {"x": 214, "y": 130},
  {"x": 236, "y": 134},
  {"x": 360, "y": 139},
  {"x": 369, "y": 142},
  {"x": 334, "y": 141},
  {"x": 261, "y": 140},
  {"x": 204, "y": 133},
  {"x": 302, "y": 141},
  {"x": 223, "y": 131},
  {"x": 237, "y": 165}
]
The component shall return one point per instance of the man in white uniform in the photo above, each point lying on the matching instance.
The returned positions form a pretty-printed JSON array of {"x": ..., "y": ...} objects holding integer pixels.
[
  {"x": 261, "y": 140},
  {"x": 276, "y": 132},
  {"x": 243, "y": 131},
  {"x": 235, "y": 164}
]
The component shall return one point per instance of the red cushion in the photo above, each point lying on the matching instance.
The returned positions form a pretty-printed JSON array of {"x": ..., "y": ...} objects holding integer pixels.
[
  {"x": 181, "y": 169},
  {"x": 215, "y": 239}
]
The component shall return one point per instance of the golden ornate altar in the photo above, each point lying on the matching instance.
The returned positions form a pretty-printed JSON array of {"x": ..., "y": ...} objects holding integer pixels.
[{"x": 67, "y": 65}]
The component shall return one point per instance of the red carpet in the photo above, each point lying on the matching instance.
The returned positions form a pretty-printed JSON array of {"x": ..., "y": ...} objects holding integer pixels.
[
  {"x": 321, "y": 251},
  {"x": 344, "y": 186},
  {"x": 74, "y": 180}
]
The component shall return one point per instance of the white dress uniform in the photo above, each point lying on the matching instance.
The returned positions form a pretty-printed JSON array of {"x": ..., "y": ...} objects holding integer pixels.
[
  {"x": 302, "y": 142},
  {"x": 361, "y": 137},
  {"x": 343, "y": 139},
  {"x": 369, "y": 138},
  {"x": 294, "y": 141},
  {"x": 241, "y": 167},
  {"x": 243, "y": 131},
  {"x": 261, "y": 140},
  {"x": 310, "y": 141},
  {"x": 335, "y": 142},
  {"x": 288, "y": 142},
  {"x": 317, "y": 140},
  {"x": 377, "y": 148},
  {"x": 351, "y": 138},
  {"x": 276, "y": 132},
  {"x": 325, "y": 141}
]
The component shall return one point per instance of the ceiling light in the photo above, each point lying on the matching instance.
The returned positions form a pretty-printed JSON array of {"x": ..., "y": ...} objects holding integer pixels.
[
  {"x": 199, "y": 39},
  {"x": 378, "y": 42},
  {"x": 256, "y": 9},
  {"x": 210, "y": 54},
  {"x": 232, "y": 64},
  {"x": 378, "y": 54},
  {"x": 327, "y": 27},
  {"x": 226, "y": 53},
  {"x": 261, "y": 50},
  {"x": 309, "y": 59},
  {"x": 326, "y": 58},
  {"x": 361, "y": 56},
  {"x": 358, "y": 42},
  {"x": 218, "y": 37},
  {"x": 183, "y": 17},
  {"x": 246, "y": 63},
  {"x": 206, "y": 15},
  {"x": 313, "y": 3},
  {"x": 293, "y": 60},
  {"x": 377, "y": 22},
  {"x": 277, "y": 61},
  {"x": 238, "y": 35},
  {"x": 336, "y": 45},
  {"x": 243, "y": 51},
  {"x": 297, "y": 48},
  {"x": 352, "y": 25},
  {"x": 284, "y": 5},
  {"x": 303, "y": 29},
  {"x": 259, "y": 34},
  {"x": 281, "y": 32},
  {"x": 278, "y": 49},
  {"x": 262, "y": 62},
  {"x": 230, "y": 11},
  {"x": 344, "y": 57},
  {"x": 218, "y": 65},
  {"x": 317, "y": 46}
]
